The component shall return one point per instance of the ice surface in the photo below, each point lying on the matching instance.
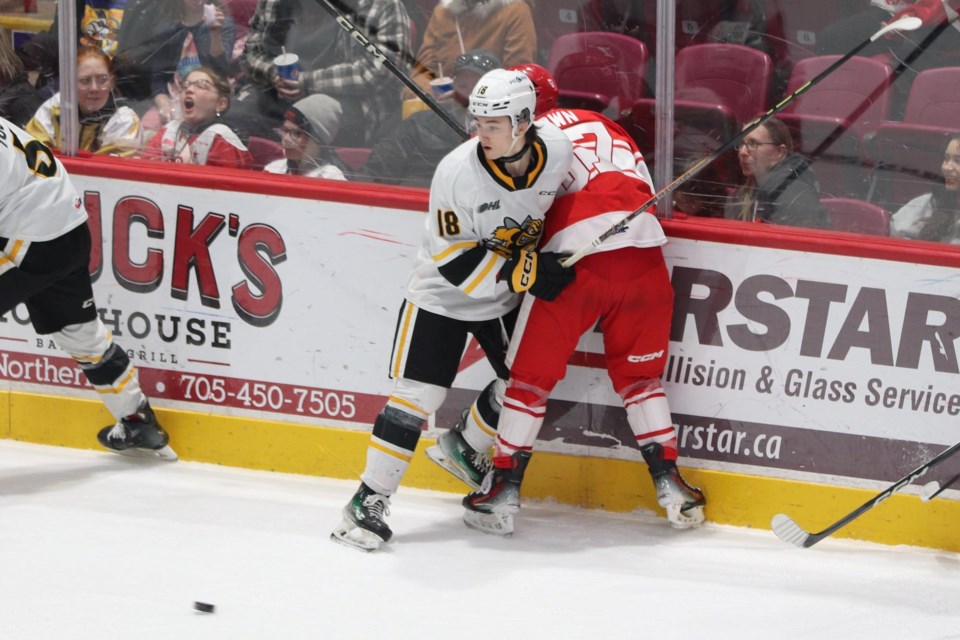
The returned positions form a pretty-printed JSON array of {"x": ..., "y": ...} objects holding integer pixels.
[{"x": 93, "y": 545}]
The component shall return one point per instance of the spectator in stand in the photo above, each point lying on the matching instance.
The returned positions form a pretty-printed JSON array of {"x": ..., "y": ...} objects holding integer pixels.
[
  {"x": 201, "y": 137},
  {"x": 308, "y": 128},
  {"x": 18, "y": 99},
  {"x": 935, "y": 216},
  {"x": 106, "y": 128},
  {"x": 780, "y": 186},
  {"x": 410, "y": 154},
  {"x": 940, "y": 34},
  {"x": 184, "y": 35},
  {"x": 331, "y": 62},
  {"x": 502, "y": 27},
  {"x": 98, "y": 25}
]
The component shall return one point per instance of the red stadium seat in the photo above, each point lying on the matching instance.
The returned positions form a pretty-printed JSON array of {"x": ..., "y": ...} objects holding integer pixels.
[
  {"x": 857, "y": 216},
  {"x": 597, "y": 70},
  {"x": 734, "y": 76},
  {"x": 934, "y": 98},
  {"x": 264, "y": 151},
  {"x": 857, "y": 92},
  {"x": 353, "y": 157}
]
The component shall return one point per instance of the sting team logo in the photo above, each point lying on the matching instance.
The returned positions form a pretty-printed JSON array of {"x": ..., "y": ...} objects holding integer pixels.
[{"x": 513, "y": 236}]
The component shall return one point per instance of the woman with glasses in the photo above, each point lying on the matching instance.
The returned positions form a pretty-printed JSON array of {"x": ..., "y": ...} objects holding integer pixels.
[
  {"x": 105, "y": 127},
  {"x": 199, "y": 136},
  {"x": 307, "y": 130},
  {"x": 780, "y": 186}
]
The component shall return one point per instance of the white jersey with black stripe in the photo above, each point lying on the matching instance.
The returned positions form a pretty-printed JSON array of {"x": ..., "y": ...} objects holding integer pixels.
[
  {"x": 478, "y": 216},
  {"x": 37, "y": 200}
]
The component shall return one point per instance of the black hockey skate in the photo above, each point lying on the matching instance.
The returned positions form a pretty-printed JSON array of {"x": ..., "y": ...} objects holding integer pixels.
[
  {"x": 456, "y": 456},
  {"x": 683, "y": 502},
  {"x": 492, "y": 508},
  {"x": 139, "y": 436},
  {"x": 363, "y": 523}
]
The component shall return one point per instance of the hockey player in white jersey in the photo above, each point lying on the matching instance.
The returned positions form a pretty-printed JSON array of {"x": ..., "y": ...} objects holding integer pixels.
[
  {"x": 45, "y": 245},
  {"x": 487, "y": 202}
]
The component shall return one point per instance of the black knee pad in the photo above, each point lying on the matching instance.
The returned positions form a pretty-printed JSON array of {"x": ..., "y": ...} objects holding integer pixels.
[
  {"x": 111, "y": 367},
  {"x": 398, "y": 428}
]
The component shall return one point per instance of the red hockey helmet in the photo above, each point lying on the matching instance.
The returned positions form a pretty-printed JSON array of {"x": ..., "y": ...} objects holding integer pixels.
[{"x": 544, "y": 84}]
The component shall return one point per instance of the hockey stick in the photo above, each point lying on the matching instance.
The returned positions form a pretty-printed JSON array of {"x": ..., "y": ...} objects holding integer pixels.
[
  {"x": 932, "y": 489},
  {"x": 789, "y": 531},
  {"x": 382, "y": 58},
  {"x": 908, "y": 23}
]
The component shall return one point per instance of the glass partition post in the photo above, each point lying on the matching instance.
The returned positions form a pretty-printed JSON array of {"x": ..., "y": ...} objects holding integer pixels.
[
  {"x": 69, "y": 120},
  {"x": 663, "y": 154}
]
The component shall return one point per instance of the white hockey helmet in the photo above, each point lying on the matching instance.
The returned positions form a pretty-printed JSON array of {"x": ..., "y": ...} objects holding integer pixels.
[{"x": 504, "y": 93}]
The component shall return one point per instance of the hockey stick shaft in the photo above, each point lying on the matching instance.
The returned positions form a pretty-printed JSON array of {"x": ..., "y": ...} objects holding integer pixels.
[
  {"x": 904, "y": 24},
  {"x": 788, "y": 531},
  {"x": 941, "y": 488},
  {"x": 380, "y": 57}
]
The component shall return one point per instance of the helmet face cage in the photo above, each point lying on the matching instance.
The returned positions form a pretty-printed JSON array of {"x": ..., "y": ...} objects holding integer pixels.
[
  {"x": 544, "y": 84},
  {"x": 504, "y": 93}
]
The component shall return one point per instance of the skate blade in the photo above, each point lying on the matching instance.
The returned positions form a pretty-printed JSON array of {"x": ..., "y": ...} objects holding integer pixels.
[
  {"x": 495, "y": 524},
  {"x": 688, "y": 519},
  {"x": 166, "y": 453},
  {"x": 351, "y": 535},
  {"x": 437, "y": 455}
]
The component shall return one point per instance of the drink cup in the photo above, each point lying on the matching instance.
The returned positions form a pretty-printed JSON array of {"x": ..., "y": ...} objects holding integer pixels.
[
  {"x": 209, "y": 14},
  {"x": 441, "y": 86},
  {"x": 288, "y": 66}
]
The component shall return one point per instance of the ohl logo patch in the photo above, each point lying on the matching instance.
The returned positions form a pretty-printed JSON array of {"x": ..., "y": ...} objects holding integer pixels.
[{"x": 513, "y": 236}]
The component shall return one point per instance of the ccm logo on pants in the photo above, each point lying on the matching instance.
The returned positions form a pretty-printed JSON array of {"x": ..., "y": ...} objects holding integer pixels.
[{"x": 647, "y": 357}]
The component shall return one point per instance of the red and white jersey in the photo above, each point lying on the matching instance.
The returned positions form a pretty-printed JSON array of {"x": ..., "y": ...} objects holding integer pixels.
[
  {"x": 608, "y": 181},
  {"x": 215, "y": 146},
  {"x": 37, "y": 200}
]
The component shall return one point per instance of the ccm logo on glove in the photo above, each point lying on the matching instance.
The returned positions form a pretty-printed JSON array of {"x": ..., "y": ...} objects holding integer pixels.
[{"x": 540, "y": 274}]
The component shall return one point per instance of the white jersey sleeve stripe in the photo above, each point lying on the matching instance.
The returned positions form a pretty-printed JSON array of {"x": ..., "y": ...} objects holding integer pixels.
[
  {"x": 460, "y": 246},
  {"x": 482, "y": 276}
]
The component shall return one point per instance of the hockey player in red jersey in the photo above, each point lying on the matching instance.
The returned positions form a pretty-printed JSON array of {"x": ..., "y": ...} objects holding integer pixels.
[
  {"x": 487, "y": 202},
  {"x": 44, "y": 256},
  {"x": 625, "y": 285}
]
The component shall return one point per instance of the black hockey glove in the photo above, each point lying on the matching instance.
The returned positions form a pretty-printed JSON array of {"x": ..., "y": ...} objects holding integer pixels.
[{"x": 539, "y": 273}]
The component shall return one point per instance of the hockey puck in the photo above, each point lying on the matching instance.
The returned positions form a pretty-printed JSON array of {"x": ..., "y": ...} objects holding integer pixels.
[{"x": 204, "y": 607}]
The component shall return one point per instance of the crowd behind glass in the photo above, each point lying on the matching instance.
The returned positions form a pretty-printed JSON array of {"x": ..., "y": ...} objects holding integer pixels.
[{"x": 278, "y": 86}]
